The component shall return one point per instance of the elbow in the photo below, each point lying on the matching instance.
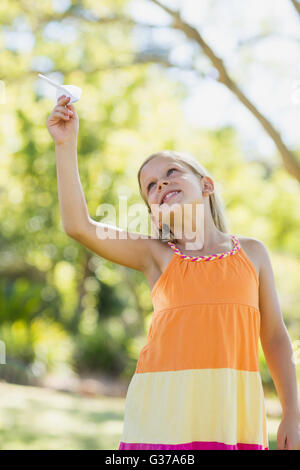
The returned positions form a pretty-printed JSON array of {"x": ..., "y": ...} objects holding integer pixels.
[
  {"x": 76, "y": 230},
  {"x": 71, "y": 232}
]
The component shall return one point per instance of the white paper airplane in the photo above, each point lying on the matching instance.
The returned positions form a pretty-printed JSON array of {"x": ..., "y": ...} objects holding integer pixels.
[{"x": 74, "y": 92}]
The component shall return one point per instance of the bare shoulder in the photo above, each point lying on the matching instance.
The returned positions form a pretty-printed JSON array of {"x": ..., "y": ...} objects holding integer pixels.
[
  {"x": 256, "y": 251},
  {"x": 252, "y": 244}
]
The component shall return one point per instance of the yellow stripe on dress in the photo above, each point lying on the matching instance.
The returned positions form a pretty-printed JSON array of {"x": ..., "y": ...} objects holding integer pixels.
[{"x": 176, "y": 407}]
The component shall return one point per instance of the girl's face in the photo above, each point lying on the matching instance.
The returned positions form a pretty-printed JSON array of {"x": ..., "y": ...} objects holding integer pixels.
[{"x": 162, "y": 174}]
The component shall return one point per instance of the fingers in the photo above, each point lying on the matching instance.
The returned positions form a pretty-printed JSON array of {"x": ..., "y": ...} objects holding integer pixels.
[
  {"x": 287, "y": 445},
  {"x": 62, "y": 104},
  {"x": 280, "y": 442},
  {"x": 62, "y": 109},
  {"x": 61, "y": 112},
  {"x": 63, "y": 100},
  {"x": 60, "y": 115},
  {"x": 71, "y": 108}
]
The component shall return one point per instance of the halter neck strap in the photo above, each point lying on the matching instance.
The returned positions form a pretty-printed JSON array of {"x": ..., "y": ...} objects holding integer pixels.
[{"x": 234, "y": 250}]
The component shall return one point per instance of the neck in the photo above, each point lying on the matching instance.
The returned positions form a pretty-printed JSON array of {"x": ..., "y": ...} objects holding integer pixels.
[{"x": 198, "y": 230}]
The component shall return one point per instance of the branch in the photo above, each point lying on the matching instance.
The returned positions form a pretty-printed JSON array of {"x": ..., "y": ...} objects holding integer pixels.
[
  {"x": 296, "y": 5},
  {"x": 289, "y": 159}
]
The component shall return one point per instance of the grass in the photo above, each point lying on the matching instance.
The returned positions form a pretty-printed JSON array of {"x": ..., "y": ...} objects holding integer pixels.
[
  {"x": 35, "y": 418},
  {"x": 39, "y": 418}
]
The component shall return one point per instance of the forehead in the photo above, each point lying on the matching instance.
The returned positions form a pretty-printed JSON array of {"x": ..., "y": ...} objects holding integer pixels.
[{"x": 156, "y": 166}]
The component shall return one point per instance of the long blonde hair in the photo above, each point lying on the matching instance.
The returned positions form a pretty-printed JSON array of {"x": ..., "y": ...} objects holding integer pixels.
[{"x": 216, "y": 206}]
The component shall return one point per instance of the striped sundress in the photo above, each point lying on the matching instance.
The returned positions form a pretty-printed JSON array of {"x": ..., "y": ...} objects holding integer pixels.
[{"x": 197, "y": 383}]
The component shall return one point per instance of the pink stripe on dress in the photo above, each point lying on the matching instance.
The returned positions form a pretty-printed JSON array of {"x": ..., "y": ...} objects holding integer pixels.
[{"x": 191, "y": 446}]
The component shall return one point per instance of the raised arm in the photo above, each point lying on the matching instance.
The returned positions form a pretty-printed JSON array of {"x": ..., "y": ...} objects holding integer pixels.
[{"x": 133, "y": 253}]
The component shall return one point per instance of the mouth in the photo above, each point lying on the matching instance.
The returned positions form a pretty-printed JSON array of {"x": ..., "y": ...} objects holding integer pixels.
[{"x": 169, "y": 195}]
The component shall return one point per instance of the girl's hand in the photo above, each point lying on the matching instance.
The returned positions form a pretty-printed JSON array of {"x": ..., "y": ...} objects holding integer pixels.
[
  {"x": 288, "y": 434},
  {"x": 63, "y": 122}
]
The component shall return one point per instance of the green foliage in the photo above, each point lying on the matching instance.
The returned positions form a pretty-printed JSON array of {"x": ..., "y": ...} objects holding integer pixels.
[
  {"x": 100, "y": 351},
  {"x": 47, "y": 298},
  {"x": 33, "y": 348}
]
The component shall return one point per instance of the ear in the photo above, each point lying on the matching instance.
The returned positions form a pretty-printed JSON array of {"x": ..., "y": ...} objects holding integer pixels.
[{"x": 208, "y": 186}]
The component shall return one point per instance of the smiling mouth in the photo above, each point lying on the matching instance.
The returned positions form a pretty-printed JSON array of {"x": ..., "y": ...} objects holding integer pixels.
[{"x": 169, "y": 196}]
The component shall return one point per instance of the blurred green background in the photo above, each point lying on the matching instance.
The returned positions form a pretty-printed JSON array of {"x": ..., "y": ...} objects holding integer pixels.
[{"x": 73, "y": 323}]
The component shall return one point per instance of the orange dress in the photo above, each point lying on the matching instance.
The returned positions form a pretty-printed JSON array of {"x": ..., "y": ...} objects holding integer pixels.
[{"x": 197, "y": 383}]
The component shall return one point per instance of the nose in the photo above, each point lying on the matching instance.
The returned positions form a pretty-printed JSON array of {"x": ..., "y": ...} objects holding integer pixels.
[{"x": 160, "y": 186}]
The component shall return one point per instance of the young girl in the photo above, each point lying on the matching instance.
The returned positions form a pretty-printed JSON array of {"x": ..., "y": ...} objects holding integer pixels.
[{"x": 197, "y": 383}]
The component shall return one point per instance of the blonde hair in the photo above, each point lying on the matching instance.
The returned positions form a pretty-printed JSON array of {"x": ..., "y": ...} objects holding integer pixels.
[{"x": 216, "y": 206}]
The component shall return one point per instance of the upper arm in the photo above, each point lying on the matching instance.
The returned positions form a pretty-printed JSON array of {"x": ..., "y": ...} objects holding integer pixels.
[
  {"x": 134, "y": 250},
  {"x": 272, "y": 324}
]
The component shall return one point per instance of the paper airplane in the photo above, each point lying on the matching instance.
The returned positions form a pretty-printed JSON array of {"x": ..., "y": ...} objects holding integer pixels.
[{"x": 74, "y": 92}]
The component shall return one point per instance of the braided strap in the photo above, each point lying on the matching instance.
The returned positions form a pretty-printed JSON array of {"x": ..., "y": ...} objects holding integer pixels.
[{"x": 234, "y": 250}]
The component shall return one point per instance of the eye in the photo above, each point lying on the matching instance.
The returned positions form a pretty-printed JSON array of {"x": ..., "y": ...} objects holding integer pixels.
[
  {"x": 171, "y": 169},
  {"x": 149, "y": 186}
]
